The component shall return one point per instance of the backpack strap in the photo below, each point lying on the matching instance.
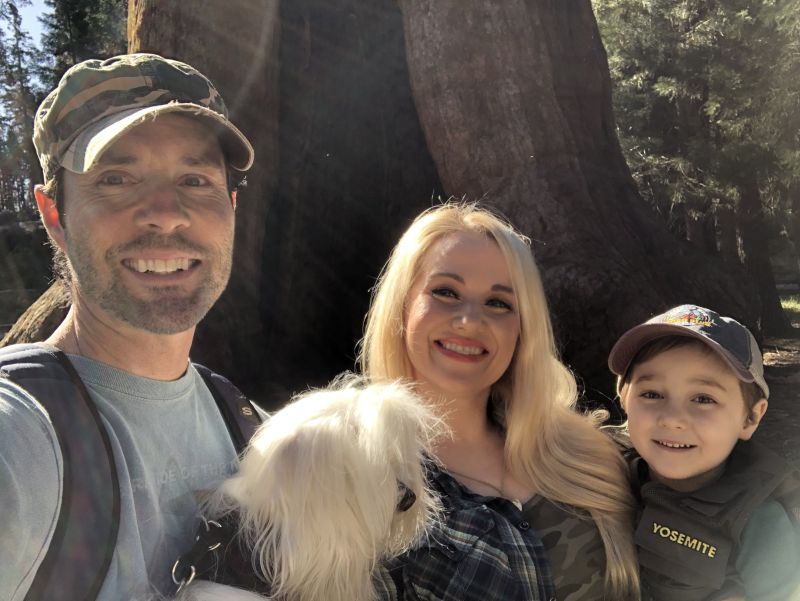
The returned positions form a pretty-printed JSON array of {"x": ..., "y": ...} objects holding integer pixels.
[
  {"x": 85, "y": 535},
  {"x": 240, "y": 415}
]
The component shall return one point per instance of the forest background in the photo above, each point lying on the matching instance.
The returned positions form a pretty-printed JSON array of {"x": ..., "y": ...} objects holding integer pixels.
[{"x": 650, "y": 148}]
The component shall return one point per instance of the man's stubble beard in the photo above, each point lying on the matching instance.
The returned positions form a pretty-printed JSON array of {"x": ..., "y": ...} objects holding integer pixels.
[{"x": 169, "y": 311}]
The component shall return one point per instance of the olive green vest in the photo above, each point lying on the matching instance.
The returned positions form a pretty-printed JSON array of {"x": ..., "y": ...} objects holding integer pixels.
[{"x": 688, "y": 542}]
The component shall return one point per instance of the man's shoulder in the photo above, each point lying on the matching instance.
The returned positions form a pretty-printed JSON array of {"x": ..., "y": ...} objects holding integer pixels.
[
  {"x": 18, "y": 408},
  {"x": 31, "y": 470}
]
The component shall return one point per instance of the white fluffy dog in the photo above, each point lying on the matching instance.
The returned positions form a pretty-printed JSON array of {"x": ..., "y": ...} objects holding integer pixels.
[{"x": 330, "y": 485}]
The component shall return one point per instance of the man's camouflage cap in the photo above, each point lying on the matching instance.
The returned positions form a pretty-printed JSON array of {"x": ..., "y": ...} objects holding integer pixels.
[{"x": 97, "y": 101}]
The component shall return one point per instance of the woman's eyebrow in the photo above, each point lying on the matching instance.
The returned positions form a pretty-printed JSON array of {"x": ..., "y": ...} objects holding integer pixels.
[
  {"x": 445, "y": 274},
  {"x": 458, "y": 278},
  {"x": 503, "y": 288}
]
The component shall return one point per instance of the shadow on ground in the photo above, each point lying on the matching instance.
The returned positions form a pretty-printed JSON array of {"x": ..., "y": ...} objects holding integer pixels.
[{"x": 780, "y": 429}]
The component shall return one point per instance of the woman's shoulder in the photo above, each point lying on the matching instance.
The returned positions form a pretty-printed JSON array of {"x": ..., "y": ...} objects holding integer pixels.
[{"x": 574, "y": 547}]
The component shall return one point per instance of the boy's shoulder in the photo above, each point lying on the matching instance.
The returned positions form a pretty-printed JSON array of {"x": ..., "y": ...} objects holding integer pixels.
[
  {"x": 764, "y": 473},
  {"x": 702, "y": 538}
]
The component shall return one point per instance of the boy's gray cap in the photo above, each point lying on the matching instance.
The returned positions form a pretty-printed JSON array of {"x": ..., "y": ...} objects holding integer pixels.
[
  {"x": 97, "y": 101},
  {"x": 727, "y": 337}
]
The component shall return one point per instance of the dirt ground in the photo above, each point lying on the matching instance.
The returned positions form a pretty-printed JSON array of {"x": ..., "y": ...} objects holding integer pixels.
[{"x": 780, "y": 429}]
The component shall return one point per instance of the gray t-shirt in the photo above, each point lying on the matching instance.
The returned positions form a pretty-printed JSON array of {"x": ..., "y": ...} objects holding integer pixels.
[{"x": 169, "y": 441}]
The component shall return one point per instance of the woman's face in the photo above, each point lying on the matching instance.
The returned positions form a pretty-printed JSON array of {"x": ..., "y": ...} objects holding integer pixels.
[{"x": 461, "y": 317}]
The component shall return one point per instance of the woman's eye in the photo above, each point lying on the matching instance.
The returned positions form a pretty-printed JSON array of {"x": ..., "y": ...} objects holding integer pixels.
[
  {"x": 444, "y": 293},
  {"x": 498, "y": 303},
  {"x": 704, "y": 399}
]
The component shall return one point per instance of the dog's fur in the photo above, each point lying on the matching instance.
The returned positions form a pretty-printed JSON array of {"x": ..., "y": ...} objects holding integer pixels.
[{"x": 318, "y": 490}]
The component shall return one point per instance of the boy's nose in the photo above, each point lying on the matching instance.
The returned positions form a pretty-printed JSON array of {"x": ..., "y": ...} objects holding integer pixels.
[{"x": 672, "y": 417}]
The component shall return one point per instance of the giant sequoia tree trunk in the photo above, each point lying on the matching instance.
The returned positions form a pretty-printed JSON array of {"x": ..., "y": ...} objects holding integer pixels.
[
  {"x": 354, "y": 171},
  {"x": 514, "y": 102},
  {"x": 234, "y": 43},
  {"x": 514, "y": 98}
]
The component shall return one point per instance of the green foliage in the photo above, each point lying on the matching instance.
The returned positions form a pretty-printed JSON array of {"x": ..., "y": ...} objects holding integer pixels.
[
  {"x": 75, "y": 30},
  {"x": 791, "y": 305},
  {"x": 19, "y": 166},
  {"x": 707, "y": 97}
]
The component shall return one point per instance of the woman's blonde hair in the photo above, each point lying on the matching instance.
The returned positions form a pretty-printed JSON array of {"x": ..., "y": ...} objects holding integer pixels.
[{"x": 559, "y": 451}]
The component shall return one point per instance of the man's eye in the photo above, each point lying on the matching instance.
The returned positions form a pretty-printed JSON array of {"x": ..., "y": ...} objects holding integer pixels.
[
  {"x": 112, "y": 179},
  {"x": 194, "y": 181},
  {"x": 444, "y": 292}
]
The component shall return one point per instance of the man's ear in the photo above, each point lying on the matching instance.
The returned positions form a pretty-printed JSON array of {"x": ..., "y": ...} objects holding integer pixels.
[
  {"x": 753, "y": 419},
  {"x": 233, "y": 199},
  {"x": 49, "y": 213}
]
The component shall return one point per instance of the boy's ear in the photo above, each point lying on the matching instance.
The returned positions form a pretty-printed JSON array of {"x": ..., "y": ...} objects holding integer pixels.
[
  {"x": 50, "y": 217},
  {"x": 753, "y": 419}
]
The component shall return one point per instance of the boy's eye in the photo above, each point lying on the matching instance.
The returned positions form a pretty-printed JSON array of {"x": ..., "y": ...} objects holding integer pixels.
[
  {"x": 704, "y": 399},
  {"x": 444, "y": 292}
]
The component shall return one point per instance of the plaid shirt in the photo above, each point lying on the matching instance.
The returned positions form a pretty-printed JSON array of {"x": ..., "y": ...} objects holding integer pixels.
[{"x": 484, "y": 551}]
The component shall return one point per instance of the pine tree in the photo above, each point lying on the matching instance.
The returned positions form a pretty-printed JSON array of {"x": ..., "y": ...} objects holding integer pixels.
[
  {"x": 75, "y": 30},
  {"x": 701, "y": 109},
  {"x": 18, "y": 99}
]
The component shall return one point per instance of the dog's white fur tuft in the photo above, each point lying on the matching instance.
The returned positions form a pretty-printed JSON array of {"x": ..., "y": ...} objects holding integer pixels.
[{"x": 318, "y": 488}]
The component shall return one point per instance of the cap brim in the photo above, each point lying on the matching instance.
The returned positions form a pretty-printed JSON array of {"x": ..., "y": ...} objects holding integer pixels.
[
  {"x": 94, "y": 140},
  {"x": 634, "y": 339}
]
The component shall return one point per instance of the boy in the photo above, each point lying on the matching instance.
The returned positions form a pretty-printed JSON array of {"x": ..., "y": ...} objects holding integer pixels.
[{"x": 719, "y": 514}]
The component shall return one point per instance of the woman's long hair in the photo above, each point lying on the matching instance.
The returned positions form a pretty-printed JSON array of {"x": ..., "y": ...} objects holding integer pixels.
[{"x": 548, "y": 444}]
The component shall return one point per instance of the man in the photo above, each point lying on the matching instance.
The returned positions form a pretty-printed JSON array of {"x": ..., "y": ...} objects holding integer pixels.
[{"x": 137, "y": 153}]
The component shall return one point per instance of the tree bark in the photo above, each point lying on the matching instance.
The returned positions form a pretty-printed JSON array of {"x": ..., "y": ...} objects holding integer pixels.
[
  {"x": 752, "y": 229},
  {"x": 235, "y": 44},
  {"x": 515, "y": 103},
  {"x": 355, "y": 170},
  {"x": 726, "y": 234}
]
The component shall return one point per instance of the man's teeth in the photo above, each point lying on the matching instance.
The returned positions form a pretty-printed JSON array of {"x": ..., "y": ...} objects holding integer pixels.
[
  {"x": 159, "y": 265},
  {"x": 463, "y": 350},
  {"x": 675, "y": 445}
]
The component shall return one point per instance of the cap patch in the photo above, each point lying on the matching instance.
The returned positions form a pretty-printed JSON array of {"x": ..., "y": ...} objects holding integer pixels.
[{"x": 689, "y": 317}]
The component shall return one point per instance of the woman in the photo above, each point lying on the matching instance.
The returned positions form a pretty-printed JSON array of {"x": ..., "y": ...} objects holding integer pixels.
[{"x": 529, "y": 485}]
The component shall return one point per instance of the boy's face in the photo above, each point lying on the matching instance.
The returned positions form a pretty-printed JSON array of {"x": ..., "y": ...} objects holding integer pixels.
[{"x": 685, "y": 414}]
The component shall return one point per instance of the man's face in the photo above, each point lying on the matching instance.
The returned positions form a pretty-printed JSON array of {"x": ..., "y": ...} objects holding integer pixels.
[{"x": 149, "y": 230}]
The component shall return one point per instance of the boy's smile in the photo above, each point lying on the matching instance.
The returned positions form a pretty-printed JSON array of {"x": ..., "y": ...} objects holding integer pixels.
[{"x": 686, "y": 412}]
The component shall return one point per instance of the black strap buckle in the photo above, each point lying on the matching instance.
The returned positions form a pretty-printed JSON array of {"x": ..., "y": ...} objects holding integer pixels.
[{"x": 208, "y": 539}]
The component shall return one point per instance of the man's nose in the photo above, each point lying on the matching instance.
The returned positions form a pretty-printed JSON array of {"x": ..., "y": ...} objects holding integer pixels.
[{"x": 161, "y": 209}]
